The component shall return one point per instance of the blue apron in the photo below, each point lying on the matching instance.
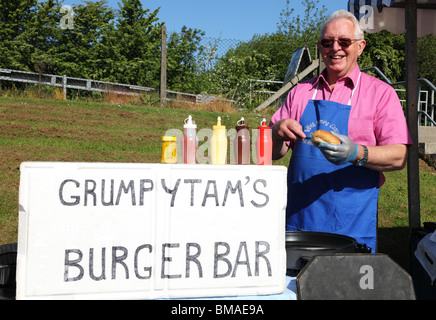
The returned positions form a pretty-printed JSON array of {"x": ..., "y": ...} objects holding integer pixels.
[{"x": 325, "y": 197}]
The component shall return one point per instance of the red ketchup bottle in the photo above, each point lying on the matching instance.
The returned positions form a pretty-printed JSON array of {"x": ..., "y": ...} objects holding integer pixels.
[
  {"x": 190, "y": 141},
  {"x": 264, "y": 144},
  {"x": 242, "y": 143}
]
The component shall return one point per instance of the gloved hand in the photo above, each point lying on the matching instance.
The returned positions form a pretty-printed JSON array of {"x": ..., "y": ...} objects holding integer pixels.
[{"x": 339, "y": 153}]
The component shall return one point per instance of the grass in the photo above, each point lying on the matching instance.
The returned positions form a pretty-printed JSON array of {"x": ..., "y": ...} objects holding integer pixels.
[{"x": 50, "y": 130}]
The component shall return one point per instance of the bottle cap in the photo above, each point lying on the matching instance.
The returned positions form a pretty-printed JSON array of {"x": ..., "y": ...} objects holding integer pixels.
[
  {"x": 241, "y": 125},
  {"x": 168, "y": 138},
  {"x": 241, "y": 122},
  {"x": 218, "y": 125},
  {"x": 263, "y": 124},
  {"x": 189, "y": 124}
]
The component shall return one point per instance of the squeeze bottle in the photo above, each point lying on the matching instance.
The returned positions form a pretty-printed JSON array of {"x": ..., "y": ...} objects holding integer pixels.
[
  {"x": 218, "y": 144},
  {"x": 190, "y": 141},
  {"x": 264, "y": 144},
  {"x": 169, "y": 150},
  {"x": 242, "y": 143}
]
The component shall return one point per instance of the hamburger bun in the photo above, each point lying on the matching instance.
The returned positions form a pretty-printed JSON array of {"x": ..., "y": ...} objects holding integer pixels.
[{"x": 324, "y": 136}]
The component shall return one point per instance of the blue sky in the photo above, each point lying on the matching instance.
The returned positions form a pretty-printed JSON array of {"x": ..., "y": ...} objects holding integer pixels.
[{"x": 227, "y": 19}]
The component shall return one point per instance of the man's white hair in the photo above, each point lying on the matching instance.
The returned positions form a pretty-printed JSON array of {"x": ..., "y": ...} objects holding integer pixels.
[{"x": 358, "y": 32}]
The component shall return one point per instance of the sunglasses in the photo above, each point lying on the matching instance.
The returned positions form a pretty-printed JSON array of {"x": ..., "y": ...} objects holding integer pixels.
[{"x": 343, "y": 42}]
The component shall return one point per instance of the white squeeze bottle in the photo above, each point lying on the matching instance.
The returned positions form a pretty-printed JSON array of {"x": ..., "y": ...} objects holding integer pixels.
[
  {"x": 218, "y": 144},
  {"x": 190, "y": 141}
]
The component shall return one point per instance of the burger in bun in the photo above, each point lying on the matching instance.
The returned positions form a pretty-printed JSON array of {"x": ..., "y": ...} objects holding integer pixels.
[{"x": 324, "y": 136}]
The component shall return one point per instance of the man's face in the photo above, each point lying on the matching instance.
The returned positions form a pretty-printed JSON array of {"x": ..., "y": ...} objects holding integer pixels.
[{"x": 340, "y": 61}]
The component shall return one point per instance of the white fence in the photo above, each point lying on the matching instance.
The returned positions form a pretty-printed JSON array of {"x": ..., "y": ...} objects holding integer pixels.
[
  {"x": 65, "y": 83},
  {"x": 70, "y": 82}
]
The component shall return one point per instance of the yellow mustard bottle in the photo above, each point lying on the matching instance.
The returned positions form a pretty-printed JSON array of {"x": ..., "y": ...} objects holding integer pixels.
[
  {"x": 218, "y": 144},
  {"x": 169, "y": 150}
]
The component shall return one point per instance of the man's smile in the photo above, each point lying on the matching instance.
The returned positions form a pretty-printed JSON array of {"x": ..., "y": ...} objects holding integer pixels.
[{"x": 337, "y": 57}]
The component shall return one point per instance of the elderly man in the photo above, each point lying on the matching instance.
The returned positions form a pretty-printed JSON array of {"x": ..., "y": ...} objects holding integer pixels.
[{"x": 334, "y": 188}]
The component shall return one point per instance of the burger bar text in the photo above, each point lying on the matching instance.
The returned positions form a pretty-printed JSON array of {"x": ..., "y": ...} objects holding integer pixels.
[{"x": 247, "y": 260}]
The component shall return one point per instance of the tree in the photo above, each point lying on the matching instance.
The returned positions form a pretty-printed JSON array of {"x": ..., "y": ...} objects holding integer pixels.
[
  {"x": 78, "y": 52},
  {"x": 276, "y": 47},
  {"x": 14, "y": 18},
  {"x": 427, "y": 57},
  {"x": 183, "y": 70},
  {"x": 304, "y": 31},
  {"x": 139, "y": 40},
  {"x": 233, "y": 74},
  {"x": 385, "y": 51}
]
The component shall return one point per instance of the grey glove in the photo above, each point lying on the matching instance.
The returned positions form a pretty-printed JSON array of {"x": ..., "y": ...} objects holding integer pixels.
[{"x": 339, "y": 153}]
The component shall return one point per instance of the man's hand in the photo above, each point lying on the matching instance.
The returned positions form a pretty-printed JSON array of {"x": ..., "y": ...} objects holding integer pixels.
[
  {"x": 339, "y": 153},
  {"x": 287, "y": 130}
]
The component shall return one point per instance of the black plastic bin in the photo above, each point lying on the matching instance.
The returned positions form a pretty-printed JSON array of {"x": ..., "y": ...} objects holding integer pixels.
[{"x": 8, "y": 271}]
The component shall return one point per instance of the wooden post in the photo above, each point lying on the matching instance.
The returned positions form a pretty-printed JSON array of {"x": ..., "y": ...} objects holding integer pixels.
[
  {"x": 163, "y": 68},
  {"x": 412, "y": 114}
]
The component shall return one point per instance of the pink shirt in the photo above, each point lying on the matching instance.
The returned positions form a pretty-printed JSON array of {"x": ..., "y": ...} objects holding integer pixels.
[{"x": 376, "y": 116}]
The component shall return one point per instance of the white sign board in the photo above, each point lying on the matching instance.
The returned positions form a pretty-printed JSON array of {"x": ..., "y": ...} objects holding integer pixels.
[{"x": 146, "y": 231}]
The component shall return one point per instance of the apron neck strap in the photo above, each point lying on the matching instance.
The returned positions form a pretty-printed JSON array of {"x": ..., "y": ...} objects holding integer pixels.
[{"x": 352, "y": 92}]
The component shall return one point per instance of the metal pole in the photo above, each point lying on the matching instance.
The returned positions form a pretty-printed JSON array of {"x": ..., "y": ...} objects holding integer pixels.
[
  {"x": 64, "y": 86},
  {"x": 412, "y": 114}
]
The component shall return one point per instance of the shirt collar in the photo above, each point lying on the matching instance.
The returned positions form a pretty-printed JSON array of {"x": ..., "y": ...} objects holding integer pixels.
[{"x": 353, "y": 77}]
